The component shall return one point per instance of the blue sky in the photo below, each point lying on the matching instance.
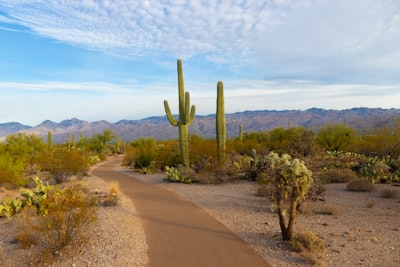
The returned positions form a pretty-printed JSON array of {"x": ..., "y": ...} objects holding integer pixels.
[{"x": 116, "y": 59}]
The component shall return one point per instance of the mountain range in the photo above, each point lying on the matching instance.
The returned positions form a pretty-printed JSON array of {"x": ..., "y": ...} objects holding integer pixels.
[{"x": 361, "y": 119}]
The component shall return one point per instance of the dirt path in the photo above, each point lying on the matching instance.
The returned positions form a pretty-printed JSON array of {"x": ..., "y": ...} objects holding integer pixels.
[{"x": 179, "y": 233}]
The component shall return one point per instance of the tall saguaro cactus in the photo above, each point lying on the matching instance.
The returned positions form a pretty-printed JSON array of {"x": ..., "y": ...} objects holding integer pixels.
[
  {"x": 50, "y": 143},
  {"x": 186, "y": 116},
  {"x": 220, "y": 122}
]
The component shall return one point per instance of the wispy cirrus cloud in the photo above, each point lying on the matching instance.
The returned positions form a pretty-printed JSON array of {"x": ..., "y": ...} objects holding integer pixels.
[
  {"x": 342, "y": 40},
  {"x": 137, "y": 28}
]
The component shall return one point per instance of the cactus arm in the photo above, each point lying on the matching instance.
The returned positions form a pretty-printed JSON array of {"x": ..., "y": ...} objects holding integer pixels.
[
  {"x": 192, "y": 114},
  {"x": 171, "y": 118},
  {"x": 187, "y": 107}
]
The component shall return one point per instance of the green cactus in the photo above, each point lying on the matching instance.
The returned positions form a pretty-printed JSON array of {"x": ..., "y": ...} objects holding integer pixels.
[
  {"x": 73, "y": 143},
  {"x": 68, "y": 141},
  {"x": 220, "y": 123},
  {"x": 50, "y": 143},
  {"x": 186, "y": 117},
  {"x": 240, "y": 133}
]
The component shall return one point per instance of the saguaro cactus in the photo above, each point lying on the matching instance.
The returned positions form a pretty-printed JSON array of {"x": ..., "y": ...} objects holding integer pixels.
[
  {"x": 240, "y": 133},
  {"x": 186, "y": 116},
  {"x": 68, "y": 142},
  {"x": 220, "y": 123},
  {"x": 50, "y": 143}
]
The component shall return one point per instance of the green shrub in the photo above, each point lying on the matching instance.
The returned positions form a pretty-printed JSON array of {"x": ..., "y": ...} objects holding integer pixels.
[
  {"x": 11, "y": 172},
  {"x": 388, "y": 193},
  {"x": 360, "y": 185},
  {"x": 310, "y": 246},
  {"x": 338, "y": 176}
]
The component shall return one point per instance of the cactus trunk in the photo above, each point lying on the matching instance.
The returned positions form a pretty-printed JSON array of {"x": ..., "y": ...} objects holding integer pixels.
[
  {"x": 186, "y": 116},
  {"x": 50, "y": 143},
  {"x": 240, "y": 133},
  {"x": 220, "y": 123}
]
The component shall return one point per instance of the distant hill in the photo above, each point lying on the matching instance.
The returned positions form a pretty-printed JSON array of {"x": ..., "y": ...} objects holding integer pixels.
[
  {"x": 158, "y": 127},
  {"x": 12, "y": 127}
]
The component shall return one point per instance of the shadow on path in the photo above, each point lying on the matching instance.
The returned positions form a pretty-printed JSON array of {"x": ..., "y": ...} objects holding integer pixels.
[{"x": 178, "y": 233}]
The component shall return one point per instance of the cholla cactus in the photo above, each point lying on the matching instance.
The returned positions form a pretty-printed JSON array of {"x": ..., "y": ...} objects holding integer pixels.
[{"x": 292, "y": 181}]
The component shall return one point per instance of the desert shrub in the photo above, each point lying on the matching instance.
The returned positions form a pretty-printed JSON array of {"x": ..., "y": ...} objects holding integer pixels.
[
  {"x": 309, "y": 246},
  {"x": 388, "y": 193},
  {"x": 360, "y": 185},
  {"x": 203, "y": 153},
  {"x": 11, "y": 172},
  {"x": 168, "y": 154},
  {"x": 338, "y": 176},
  {"x": 329, "y": 210},
  {"x": 26, "y": 227},
  {"x": 66, "y": 163},
  {"x": 63, "y": 216}
]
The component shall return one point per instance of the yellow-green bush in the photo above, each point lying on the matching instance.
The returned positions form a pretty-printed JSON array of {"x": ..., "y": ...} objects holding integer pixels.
[{"x": 11, "y": 171}]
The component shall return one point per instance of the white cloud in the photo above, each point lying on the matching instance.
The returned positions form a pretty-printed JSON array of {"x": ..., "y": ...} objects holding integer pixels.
[
  {"x": 303, "y": 39},
  {"x": 179, "y": 28},
  {"x": 340, "y": 40}
]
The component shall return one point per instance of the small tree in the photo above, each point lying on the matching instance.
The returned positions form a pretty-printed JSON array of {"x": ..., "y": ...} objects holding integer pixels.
[{"x": 292, "y": 180}]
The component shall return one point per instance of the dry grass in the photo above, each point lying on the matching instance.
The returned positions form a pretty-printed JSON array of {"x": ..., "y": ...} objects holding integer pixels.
[
  {"x": 306, "y": 208},
  {"x": 388, "y": 193},
  {"x": 338, "y": 176},
  {"x": 1, "y": 253},
  {"x": 310, "y": 246},
  {"x": 329, "y": 210},
  {"x": 360, "y": 185},
  {"x": 370, "y": 204},
  {"x": 114, "y": 188}
]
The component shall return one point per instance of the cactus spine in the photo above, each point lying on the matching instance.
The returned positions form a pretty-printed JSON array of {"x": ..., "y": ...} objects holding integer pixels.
[
  {"x": 220, "y": 122},
  {"x": 186, "y": 116}
]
